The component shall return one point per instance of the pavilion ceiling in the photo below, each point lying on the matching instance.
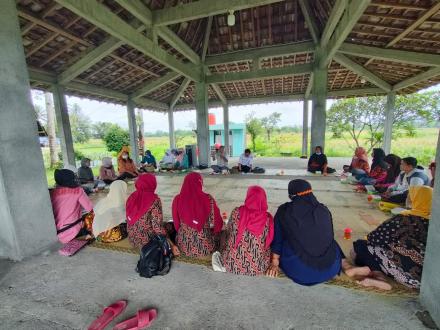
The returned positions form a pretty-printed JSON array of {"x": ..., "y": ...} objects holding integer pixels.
[{"x": 273, "y": 38}]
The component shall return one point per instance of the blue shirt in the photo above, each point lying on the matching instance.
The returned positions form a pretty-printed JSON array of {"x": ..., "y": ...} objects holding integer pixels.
[{"x": 149, "y": 160}]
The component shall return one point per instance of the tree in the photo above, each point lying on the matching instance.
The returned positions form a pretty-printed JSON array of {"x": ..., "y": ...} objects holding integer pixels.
[
  {"x": 79, "y": 124},
  {"x": 270, "y": 122},
  {"x": 100, "y": 129},
  {"x": 51, "y": 128},
  {"x": 253, "y": 127},
  {"x": 359, "y": 116},
  {"x": 116, "y": 138}
]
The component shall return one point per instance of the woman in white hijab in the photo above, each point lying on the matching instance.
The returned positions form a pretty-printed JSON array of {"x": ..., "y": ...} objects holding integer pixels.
[{"x": 109, "y": 222}]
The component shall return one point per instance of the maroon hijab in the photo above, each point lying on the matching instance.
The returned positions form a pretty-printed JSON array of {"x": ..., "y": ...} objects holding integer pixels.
[{"x": 141, "y": 200}]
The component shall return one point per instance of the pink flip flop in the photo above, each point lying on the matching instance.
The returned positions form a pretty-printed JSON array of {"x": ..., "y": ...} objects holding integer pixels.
[
  {"x": 108, "y": 314},
  {"x": 143, "y": 319}
]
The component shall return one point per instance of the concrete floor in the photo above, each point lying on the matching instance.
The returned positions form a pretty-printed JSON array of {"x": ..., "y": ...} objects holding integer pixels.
[{"x": 55, "y": 292}]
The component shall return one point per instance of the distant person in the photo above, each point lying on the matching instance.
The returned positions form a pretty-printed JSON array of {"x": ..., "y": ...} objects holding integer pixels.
[
  {"x": 181, "y": 160},
  {"x": 85, "y": 173},
  {"x": 148, "y": 163},
  {"x": 68, "y": 202},
  {"x": 109, "y": 223},
  {"x": 318, "y": 163},
  {"x": 359, "y": 163},
  {"x": 248, "y": 236},
  {"x": 393, "y": 172},
  {"x": 304, "y": 247},
  {"x": 107, "y": 171},
  {"x": 126, "y": 166},
  {"x": 397, "y": 247},
  {"x": 245, "y": 161},
  {"x": 222, "y": 160},
  {"x": 168, "y": 161},
  {"x": 409, "y": 177},
  {"x": 196, "y": 218},
  {"x": 379, "y": 169},
  {"x": 432, "y": 169}
]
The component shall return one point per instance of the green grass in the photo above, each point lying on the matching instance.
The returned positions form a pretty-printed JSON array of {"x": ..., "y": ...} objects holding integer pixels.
[{"x": 422, "y": 146}]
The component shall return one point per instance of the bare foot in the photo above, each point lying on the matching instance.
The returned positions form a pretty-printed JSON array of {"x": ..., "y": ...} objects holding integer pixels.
[
  {"x": 373, "y": 283},
  {"x": 378, "y": 276},
  {"x": 357, "y": 271}
]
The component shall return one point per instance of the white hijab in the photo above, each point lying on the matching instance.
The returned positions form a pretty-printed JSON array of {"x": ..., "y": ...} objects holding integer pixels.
[
  {"x": 168, "y": 158},
  {"x": 110, "y": 211}
]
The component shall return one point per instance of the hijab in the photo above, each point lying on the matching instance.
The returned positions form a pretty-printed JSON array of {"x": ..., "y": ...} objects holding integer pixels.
[
  {"x": 421, "y": 200},
  {"x": 361, "y": 153},
  {"x": 192, "y": 206},
  {"x": 379, "y": 159},
  {"x": 66, "y": 178},
  {"x": 254, "y": 216},
  {"x": 110, "y": 211},
  {"x": 107, "y": 162},
  {"x": 168, "y": 157},
  {"x": 125, "y": 149},
  {"x": 307, "y": 226},
  {"x": 142, "y": 199},
  {"x": 394, "y": 167}
]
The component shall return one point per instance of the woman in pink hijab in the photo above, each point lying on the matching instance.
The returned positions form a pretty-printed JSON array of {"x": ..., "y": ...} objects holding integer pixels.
[
  {"x": 196, "y": 218},
  {"x": 248, "y": 236},
  {"x": 359, "y": 163}
]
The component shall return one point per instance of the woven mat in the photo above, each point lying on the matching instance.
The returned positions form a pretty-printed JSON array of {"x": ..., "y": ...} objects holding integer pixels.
[{"x": 343, "y": 280}]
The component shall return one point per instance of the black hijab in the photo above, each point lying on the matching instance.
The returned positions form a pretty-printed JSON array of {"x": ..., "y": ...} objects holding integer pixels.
[
  {"x": 307, "y": 226},
  {"x": 66, "y": 178},
  {"x": 394, "y": 167},
  {"x": 379, "y": 159}
]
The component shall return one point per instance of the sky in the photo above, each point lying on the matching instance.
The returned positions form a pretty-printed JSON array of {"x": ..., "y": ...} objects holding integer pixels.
[{"x": 291, "y": 113}]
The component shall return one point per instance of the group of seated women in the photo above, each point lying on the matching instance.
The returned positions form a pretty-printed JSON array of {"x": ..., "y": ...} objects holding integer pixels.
[{"x": 299, "y": 240}]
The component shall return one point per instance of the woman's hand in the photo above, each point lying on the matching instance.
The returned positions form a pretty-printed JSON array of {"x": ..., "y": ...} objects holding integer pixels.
[
  {"x": 175, "y": 250},
  {"x": 273, "y": 271}
]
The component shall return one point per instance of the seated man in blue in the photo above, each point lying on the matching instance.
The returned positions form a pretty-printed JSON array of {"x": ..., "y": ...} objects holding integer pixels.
[{"x": 304, "y": 245}]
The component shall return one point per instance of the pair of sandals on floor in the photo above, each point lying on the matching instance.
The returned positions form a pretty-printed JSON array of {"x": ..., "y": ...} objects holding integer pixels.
[{"x": 142, "y": 320}]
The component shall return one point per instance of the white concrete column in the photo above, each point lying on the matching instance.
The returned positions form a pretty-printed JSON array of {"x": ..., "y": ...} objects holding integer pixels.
[
  {"x": 388, "y": 127},
  {"x": 226, "y": 127},
  {"x": 202, "y": 122},
  {"x": 319, "y": 115},
  {"x": 430, "y": 291},
  {"x": 26, "y": 218},
  {"x": 132, "y": 129},
  {"x": 171, "y": 128},
  {"x": 305, "y": 135},
  {"x": 63, "y": 123}
]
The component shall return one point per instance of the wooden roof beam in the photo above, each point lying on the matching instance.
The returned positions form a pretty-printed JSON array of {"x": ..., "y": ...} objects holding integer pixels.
[
  {"x": 202, "y": 8},
  {"x": 356, "y": 92},
  {"x": 153, "y": 85},
  {"x": 390, "y": 54},
  {"x": 102, "y": 17},
  {"x": 262, "y": 52},
  {"x": 351, "y": 15},
  {"x": 309, "y": 87},
  {"x": 417, "y": 78},
  {"x": 179, "y": 92},
  {"x": 360, "y": 70},
  {"x": 310, "y": 20},
  {"x": 260, "y": 74},
  {"x": 335, "y": 15}
]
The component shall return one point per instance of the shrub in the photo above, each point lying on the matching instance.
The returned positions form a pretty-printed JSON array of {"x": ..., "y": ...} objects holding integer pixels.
[{"x": 116, "y": 138}]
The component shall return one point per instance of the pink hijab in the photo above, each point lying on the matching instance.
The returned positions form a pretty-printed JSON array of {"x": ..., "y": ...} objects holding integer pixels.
[
  {"x": 254, "y": 216},
  {"x": 142, "y": 199},
  {"x": 361, "y": 153},
  {"x": 193, "y": 206}
]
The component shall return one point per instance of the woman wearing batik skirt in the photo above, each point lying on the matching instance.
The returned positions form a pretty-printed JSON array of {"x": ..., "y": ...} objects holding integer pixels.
[
  {"x": 248, "y": 236},
  {"x": 144, "y": 213},
  {"x": 196, "y": 218},
  {"x": 397, "y": 247},
  {"x": 109, "y": 223}
]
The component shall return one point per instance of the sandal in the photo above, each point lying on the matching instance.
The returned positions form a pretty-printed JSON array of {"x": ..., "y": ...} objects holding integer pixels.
[
  {"x": 143, "y": 319},
  {"x": 108, "y": 314}
]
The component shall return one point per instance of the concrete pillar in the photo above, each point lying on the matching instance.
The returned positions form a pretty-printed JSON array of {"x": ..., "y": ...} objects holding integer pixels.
[
  {"x": 430, "y": 290},
  {"x": 226, "y": 127},
  {"x": 388, "y": 127},
  {"x": 171, "y": 128},
  {"x": 202, "y": 123},
  {"x": 63, "y": 123},
  {"x": 26, "y": 218},
  {"x": 305, "y": 135},
  {"x": 319, "y": 115},
  {"x": 132, "y": 129}
]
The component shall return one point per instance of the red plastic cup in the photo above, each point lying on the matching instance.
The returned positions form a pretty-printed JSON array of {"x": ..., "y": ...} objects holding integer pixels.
[{"x": 347, "y": 233}]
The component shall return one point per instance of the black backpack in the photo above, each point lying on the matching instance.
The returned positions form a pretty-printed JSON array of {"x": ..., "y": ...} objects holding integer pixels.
[{"x": 155, "y": 258}]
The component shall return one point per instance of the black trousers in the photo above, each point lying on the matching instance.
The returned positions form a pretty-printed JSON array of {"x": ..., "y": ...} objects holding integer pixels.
[
  {"x": 397, "y": 199},
  {"x": 126, "y": 175},
  {"x": 245, "y": 169}
]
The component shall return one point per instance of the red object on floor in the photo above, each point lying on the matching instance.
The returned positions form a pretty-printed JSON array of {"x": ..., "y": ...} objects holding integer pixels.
[
  {"x": 211, "y": 119},
  {"x": 347, "y": 233},
  {"x": 143, "y": 319},
  {"x": 108, "y": 314}
]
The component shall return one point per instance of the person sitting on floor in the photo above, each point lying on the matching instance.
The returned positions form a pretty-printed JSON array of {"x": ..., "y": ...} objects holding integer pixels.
[
  {"x": 304, "y": 246},
  {"x": 126, "y": 166},
  {"x": 168, "y": 161},
  {"x": 148, "y": 163},
  {"x": 85, "y": 174},
  {"x": 379, "y": 170},
  {"x": 432, "y": 169},
  {"x": 144, "y": 213},
  {"x": 245, "y": 161},
  {"x": 196, "y": 218},
  {"x": 248, "y": 236},
  {"x": 222, "y": 160},
  {"x": 68, "y": 200},
  {"x": 109, "y": 222},
  {"x": 359, "y": 163},
  {"x": 393, "y": 172},
  {"x": 107, "y": 171},
  {"x": 409, "y": 177},
  {"x": 397, "y": 247},
  {"x": 318, "y": 162},
  {"x": 181, "y": 159}
]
